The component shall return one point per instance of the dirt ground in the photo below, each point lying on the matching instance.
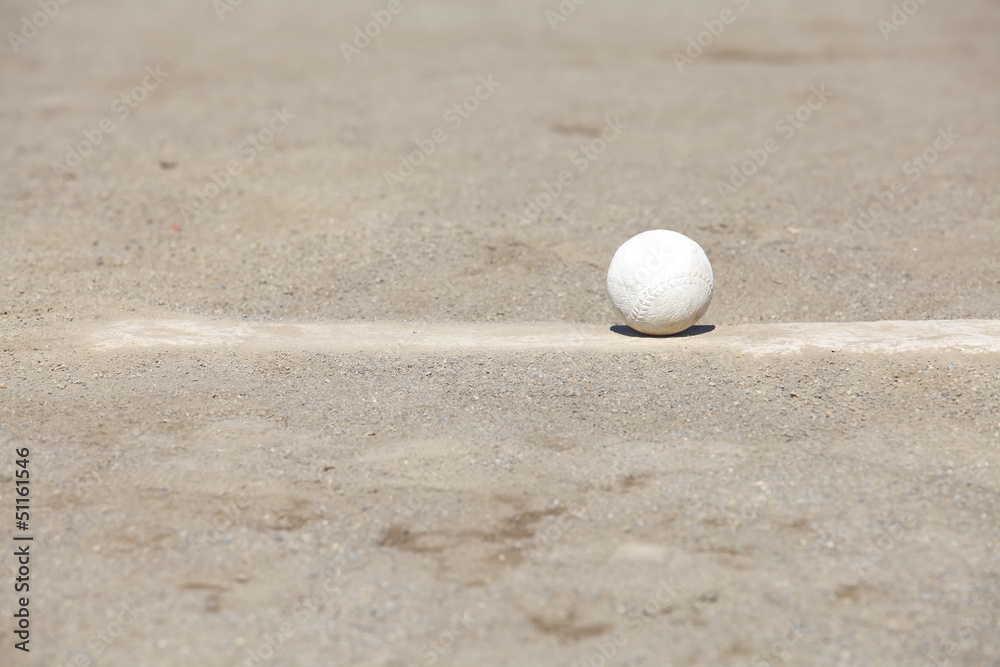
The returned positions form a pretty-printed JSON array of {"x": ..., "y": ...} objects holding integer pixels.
[{"x": 250, "y": 163}]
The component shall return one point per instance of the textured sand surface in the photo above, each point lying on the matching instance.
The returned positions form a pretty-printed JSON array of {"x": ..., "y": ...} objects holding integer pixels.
[{"x": 318, "y": 416}]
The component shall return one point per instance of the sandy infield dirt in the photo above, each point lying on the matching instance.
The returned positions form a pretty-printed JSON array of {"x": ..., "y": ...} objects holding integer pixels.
[{"x": 313, "y": 357}]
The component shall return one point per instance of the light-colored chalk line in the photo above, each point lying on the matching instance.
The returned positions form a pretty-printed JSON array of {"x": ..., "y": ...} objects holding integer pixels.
[{"x": 967, "y": 336}]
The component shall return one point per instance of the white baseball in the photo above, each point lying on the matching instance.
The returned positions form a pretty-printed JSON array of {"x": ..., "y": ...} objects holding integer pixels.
[{"x": 660, "y": 282}]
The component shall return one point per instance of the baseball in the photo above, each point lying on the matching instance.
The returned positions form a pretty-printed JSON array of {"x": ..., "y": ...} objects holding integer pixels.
[{"x": 660, "y": 282}]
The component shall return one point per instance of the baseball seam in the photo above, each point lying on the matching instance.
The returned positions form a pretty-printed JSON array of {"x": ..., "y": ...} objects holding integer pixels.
[{"x": 646, "y": 300}]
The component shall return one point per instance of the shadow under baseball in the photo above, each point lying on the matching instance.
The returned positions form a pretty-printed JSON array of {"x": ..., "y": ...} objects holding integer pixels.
[{"x": 696, "y": 330}]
